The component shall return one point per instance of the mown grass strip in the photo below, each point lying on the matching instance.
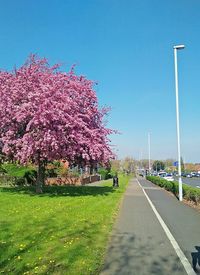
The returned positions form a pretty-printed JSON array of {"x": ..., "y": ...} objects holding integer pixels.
[{"x": 62, "y": 231}]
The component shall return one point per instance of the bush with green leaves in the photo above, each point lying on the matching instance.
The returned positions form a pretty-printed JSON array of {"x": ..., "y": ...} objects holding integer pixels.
[
  {"x": 2, "y": 170},
  {"x": 51, "y": 173},
  {"x": 189, "y": 193},
  {"x": 30, "y": 176},
  {"x": 22, "y": 174},
  {"x": 105, "y": 173}
]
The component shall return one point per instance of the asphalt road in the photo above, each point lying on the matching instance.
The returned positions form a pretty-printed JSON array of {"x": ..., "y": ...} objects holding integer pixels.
[{"x": 195, "y": 182}]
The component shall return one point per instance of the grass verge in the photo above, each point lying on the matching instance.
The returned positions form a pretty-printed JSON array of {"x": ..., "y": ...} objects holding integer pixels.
[
  {"x": 63, "y": 231},
  {"x": 189, "y": 193}
]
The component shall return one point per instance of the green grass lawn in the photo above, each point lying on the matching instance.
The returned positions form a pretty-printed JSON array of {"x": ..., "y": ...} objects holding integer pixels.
[{"x": 63, "y": 231}]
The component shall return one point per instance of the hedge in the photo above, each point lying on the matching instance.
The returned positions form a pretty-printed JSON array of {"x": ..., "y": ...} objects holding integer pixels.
[
  {"x": 189, "y": 193},
  {"x": 17, "y": 174}
]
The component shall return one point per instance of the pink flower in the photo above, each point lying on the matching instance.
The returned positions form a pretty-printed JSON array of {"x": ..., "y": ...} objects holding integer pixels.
[{"x": 53, "y": 113}]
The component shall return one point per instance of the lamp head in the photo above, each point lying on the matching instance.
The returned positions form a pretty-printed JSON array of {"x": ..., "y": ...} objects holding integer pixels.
[{"x": 179, "y": 47}]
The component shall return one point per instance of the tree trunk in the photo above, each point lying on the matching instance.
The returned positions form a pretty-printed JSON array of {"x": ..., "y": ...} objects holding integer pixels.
[
  {"x": 91, "y": 168},
  {"x": 40, "y": 176}
]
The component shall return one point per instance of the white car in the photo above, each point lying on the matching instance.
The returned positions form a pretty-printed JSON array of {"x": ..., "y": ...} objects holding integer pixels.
[
  {"x": 168, "y": 177},
  {"x": 162, "y": 174}
]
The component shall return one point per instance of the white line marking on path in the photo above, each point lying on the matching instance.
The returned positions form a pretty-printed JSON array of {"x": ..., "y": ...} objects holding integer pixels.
[{"x": 188, "y": 268}]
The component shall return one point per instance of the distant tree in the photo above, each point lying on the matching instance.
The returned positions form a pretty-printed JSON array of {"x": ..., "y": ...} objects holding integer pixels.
[
  {"x": 128, "y": 164},
  {"x": 144, "y": 163},
  {"x": 182, "y": 165},
  {"x": 169, "y": 162},
  {"x": 47, "y": 115},
  {"x": 190, "y": 167},
  {"x": 158, "y": 165},
  {"x": 115, "y": 166}
]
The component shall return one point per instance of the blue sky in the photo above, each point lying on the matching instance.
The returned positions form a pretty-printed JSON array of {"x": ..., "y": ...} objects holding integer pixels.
[{"x": 127, "y": 46}]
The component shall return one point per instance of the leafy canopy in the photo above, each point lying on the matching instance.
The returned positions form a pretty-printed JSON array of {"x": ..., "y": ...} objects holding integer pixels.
[{"x": 46, "y": 114}]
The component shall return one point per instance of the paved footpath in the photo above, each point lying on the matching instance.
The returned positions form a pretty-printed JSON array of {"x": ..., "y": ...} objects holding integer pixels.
[{"x": 140, "y": 245}]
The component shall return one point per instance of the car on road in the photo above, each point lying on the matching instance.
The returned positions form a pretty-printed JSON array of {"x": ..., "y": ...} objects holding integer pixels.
[
  {"x": 162, "y": 174},
  {"x": 166, "y": 176},
  {"x": 188, "y": 176},
  {"x": 154, "y": 173},
  {"x": 193, "y": 174}
]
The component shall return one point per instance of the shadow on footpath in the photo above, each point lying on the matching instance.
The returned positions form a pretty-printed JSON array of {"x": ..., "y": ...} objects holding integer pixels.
[
  {"x": 129, "y": 255},
  {"x": 56, "y": 191},
  {"x": 196, "y": 260}
]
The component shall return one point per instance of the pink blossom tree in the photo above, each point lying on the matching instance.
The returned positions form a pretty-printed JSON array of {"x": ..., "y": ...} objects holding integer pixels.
[{"x": 46, "y": 115}]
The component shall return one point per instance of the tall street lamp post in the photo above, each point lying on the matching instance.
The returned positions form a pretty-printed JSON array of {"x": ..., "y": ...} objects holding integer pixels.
[
  {"x": 176, "y": 48},
  {"x": 149, "y": 149}
]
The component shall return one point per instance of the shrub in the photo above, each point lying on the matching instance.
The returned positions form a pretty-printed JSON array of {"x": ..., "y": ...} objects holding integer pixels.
[
  {"x": 105, "y": 173},
  {"x": 20, "y": 181},
  {"x": 16, "y": 170},
  {"x": 51, "y": 173},
  {"x": 30, "y": 176},
  {"x": 189, "y": 193},
  {"x": 2, "y": 170},
  {"x": 21, "y": 175}
]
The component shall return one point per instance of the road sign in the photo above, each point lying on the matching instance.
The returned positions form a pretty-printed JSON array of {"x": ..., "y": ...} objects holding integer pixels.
[{"x": 175, "y": 163}]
